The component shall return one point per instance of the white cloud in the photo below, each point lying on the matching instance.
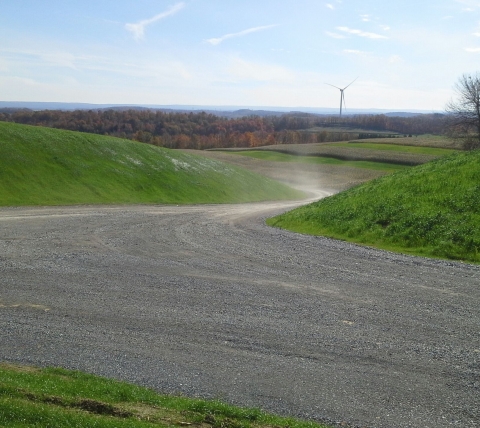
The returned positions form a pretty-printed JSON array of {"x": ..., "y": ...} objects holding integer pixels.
[
  {"x": 330, "y": 6},
  {"x": 3, "y": 64},
  {"x": 138, "y": 29},
  {"x": 10, "y": 82},
  {"x": 470, "y": 5},
  {"x": 355, "y": 52},
  {"x": 476, "y": 34},
  {"x": 395, "y": 59},
  {"x": 385, "y": 27},
  {"x": 218, "y": 40},
  {"x": 59, "y": 59},
  {"x": 472, "y": 50},
  {"x": 335, "y": 35},
  {"x": 365, "y": 18},
  {"x": 361, "y": 33}
]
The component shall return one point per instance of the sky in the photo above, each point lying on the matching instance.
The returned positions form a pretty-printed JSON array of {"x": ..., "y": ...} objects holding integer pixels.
[{"x": 405, "y": 55}]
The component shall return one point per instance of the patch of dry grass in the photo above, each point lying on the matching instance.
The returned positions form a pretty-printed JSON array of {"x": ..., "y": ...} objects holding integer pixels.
[
  {"x": 348, "y": 153},
  {"x": 427, "y": 140}
]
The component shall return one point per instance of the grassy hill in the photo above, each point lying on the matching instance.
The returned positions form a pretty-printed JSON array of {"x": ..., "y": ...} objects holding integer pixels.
[
  {"x": 431, "y": 210},
  {"x": 42, "y": 166}
]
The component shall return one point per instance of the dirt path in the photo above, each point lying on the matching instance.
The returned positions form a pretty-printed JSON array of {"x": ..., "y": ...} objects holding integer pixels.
[
  {"x": 208, "y": 301},
  {"x": 332, "y": 178}
]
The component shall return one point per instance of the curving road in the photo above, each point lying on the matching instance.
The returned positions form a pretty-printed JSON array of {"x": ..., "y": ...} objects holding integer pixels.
[{"x": 208, "y": 301}]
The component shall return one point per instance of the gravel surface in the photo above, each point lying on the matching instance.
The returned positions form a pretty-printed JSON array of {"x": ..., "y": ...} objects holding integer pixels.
[{"x": 208, "y": 301}]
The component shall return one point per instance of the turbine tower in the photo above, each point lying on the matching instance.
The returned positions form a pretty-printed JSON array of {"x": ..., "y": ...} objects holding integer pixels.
[{"x": 342, "y": 95}]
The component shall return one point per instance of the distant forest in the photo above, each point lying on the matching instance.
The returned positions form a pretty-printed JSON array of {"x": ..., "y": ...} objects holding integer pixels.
[{"x": 205, "y": 131}]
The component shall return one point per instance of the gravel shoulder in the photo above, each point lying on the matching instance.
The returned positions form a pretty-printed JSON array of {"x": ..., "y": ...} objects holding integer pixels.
[{"x": 208, "y": 301}]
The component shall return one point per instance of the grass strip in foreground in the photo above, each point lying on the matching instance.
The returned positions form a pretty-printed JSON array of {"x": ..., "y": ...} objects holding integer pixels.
[
  {"x": 431, "y": 210},
  {"x": 57, "y": 397}
]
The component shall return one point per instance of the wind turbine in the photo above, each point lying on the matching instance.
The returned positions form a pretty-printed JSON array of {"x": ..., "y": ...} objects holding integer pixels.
[{"x": 342, "y": 96}]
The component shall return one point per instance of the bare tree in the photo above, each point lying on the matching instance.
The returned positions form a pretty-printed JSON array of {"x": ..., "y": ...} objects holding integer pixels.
[{"x": 464, "y": 112}]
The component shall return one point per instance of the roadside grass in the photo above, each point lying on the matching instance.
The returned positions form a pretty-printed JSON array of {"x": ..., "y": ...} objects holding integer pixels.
[
  {"x": 434, "y": 151},
  {"x": 320, "y": 160},
  {"x": 54, "y": 397},
  {"x": 431, "y": 210},
  {"x": 42, "y": 166}
]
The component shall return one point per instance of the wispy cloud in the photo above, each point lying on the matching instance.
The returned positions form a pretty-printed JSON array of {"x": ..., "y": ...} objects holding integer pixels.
[
  {"x": 470, "y": 5},
  {"x": 330, "y": 6},
  {"x": 385, "y": 27},
  {"x": 361, "y": 33},
  {"x": 365, "y": 18},
  {"x": 218, "y": 40},
  {"x": 395, "y": 59},
  {"x": 335, "y": 35},
  {"x": 472, "y": 50},
  {"x": 355, "y": 52},
  {"x": 138, "y": 29}
]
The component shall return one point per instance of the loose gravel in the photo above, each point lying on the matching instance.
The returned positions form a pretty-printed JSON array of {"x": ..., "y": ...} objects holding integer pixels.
[{"x": 207, "y": 301}]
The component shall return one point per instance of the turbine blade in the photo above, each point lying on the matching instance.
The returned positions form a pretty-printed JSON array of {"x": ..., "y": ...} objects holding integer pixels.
[
  {"x": 349, "y": 84},
  {"x": 333, "y": 86}
]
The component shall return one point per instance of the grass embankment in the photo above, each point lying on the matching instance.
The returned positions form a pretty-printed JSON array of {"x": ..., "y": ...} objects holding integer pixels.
[
  {"x": 41, "y": 166},
  {"x": 55, "y": 397},
  {"x": 431, "y": 210}
]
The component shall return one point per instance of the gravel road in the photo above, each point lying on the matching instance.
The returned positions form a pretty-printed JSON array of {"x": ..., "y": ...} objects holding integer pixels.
[{"x": 208, "y": 301}]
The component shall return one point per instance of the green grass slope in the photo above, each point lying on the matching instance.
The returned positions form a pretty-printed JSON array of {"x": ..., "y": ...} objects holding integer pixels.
[
  {"x": 53, "y": 397},
  {"x": 431, "y": 210},
  {"x": 41, "y": 166}
]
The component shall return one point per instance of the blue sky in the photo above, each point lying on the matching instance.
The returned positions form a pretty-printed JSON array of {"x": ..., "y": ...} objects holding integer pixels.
[{"x": 406, "y": 54}]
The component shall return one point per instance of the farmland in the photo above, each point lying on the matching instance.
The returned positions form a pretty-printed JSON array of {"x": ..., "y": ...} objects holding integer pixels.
[{"x": 207, "y": 301}]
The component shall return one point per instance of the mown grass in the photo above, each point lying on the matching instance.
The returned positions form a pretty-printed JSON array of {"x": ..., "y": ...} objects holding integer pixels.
[
  {"x": 434, "y": 151},
  {"x": 431, "y": 210},
  {"x": 54, "y": 397},
  {"x": 41, "y": 166},
  {"x": 320, "y": 160}
]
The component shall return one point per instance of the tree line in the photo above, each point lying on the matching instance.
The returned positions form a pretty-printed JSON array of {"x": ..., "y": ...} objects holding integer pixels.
[{"x": 200, "y": 130}]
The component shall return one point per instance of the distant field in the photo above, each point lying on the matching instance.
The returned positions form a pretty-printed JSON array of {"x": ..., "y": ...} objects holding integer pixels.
[
  {"x": 434, "y": 151},
  {"x": 351, "y": 152},
  {"x": 426, "y": 140},
  {"x": 345, "y": 130},
  {"x": 319, "y": 160},
  {"x": 44, "y": 166}
]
